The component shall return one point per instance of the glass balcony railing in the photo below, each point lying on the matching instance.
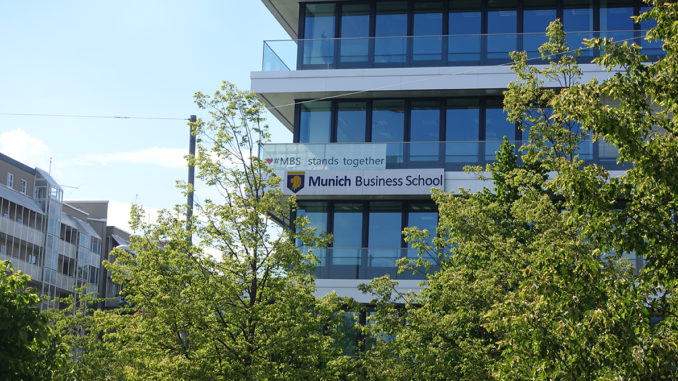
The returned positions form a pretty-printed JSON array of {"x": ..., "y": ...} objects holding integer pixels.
[
  {"x": 450, "y": 155},
  {"x": 412, "y": 51},
  {"x": 366, "y": 263}
]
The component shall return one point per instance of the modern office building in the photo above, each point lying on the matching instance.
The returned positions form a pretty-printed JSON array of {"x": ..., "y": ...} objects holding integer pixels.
[
  {"x": 387, "y": 99},
  {"x": 58, "y": 243}
]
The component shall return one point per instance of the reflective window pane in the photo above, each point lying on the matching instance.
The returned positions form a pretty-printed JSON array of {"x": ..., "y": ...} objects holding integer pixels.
[
  {"x": 464, "y": 18},
  {"x": 501, "y": 29},
  {"x": 316, "y": 212},
  {"x": 424, "y": 127},
  {"x": 319, "y": 34},
  {"x": 355, "y": 30},
  {"x": 423, "y": 216},
  {"x": 536, "y": 17},
  {"x": 348, "y": 232},
  {"x": 384, "y": 233},
  {"x": 390, "y": 44},
  {"x": 616, "y": 21},
  {"x": 315, "y": 122},
  {"x": 578, "y": 23},
  {"x": 388, "y": 125},
  {"x": 462, "y": 130},
  {"x": 351, "y": 121},
  {"x": 496, "y": 127},
  {"x": 427, "y": 31}
]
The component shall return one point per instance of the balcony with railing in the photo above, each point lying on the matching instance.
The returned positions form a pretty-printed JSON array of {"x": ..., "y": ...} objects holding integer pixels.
[
  {"x": 422, "y": 51},
  {"x": 367, "y": 263},
  {"x": 450, "y": 155}
]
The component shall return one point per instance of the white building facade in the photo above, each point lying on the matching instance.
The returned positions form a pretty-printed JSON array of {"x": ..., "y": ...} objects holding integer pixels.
[{"x": 388, "y": 99}]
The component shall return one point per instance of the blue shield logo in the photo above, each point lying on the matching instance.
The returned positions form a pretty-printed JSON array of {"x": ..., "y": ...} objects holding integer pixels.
[{"x": 295, "y": 181}]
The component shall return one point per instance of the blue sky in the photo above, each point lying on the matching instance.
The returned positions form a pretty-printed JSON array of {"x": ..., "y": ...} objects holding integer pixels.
[{"x": 141, "y": 58}]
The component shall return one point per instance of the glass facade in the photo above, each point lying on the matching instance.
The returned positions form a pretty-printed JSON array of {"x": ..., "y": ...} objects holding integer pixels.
[
  {"x": 315, "y": 122},
  {"x": 465, "y": 25},
  {"x": 390, "y": 46},
  {"x": 445, "y": 133},
  {"x": 355, "y": 26},
  {"x": 367, "y": 235},
  {"x": 453, "y": 32},
  {"x": 422, "y": 131}
]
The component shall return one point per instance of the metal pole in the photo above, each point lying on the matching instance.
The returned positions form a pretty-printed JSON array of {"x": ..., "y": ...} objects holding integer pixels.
[{"x": 191, "y": 172}]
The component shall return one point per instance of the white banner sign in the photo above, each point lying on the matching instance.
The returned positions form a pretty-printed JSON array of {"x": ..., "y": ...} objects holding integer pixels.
[
  {"x": 363, "y": 182},
  {"x": 283, "y": 157}
]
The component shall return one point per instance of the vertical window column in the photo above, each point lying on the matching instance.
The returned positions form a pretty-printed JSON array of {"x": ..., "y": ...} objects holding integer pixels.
[
  {"x": 537, "y": 14},
  {"x": 465, "y": 28},
  {"x": 316, "y": 212},
  {"x": 390, "y": 43},
  {"x": 462, "y": 132},
  {"x": 319, "y": 32},
  {"x": 427, "y": 30},
  {"x": 496, "y": 127},
  {"x": 347, "y": 231},
  {"x": 616, "y": 21},
  {"x": 351, "y": 122},
  {"x": 424, "y": 131},
  {"x": 578, "y": 23},
  {"x": 385, "y": 233},
  {"x": 355, "y": 32},
  {"x": 388, "y": 125},
  {"x": 502, "y": 27},
  {"x": 315, "y": 122}
]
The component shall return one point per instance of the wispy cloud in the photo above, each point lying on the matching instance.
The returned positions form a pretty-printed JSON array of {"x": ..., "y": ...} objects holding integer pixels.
[
  {"x": 119, "y": 214},
  {"x": 20, "y": 146},
  {"x": 159, "y": 156}
]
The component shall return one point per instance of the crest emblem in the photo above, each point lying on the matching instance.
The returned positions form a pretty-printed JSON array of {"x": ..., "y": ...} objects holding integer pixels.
[{"x": 295, "y": 181}]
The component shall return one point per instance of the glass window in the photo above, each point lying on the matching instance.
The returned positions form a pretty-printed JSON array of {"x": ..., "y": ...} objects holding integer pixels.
[
  {"x": 427, "y": 31},
  {"x": 315, "y": 122},
  {"x": 385, "y": 233},
  {"x": 578, "y": 23},
  {"x": 316, "y": 212},
  {"x": 423, "y": 216},
  {"x": 388, "y": 125},
  {"x": 424, "y": 128},
  {"x": 496, "y": 127},
  {"x": 319, "y": 34},
  {"x": 537, "y": 15},
  {"x": 351, "y": 121},
  {"x": 10, "y": 180},
  {"x": 22, "y": 186},
  {"x": 501, "y": 28},
  {"x": 462, "y": 130},
  {"x": 347, "y": 232},
  {"x": 616, "y": 21},
  {"x": 355, "y": 30},
  {"x": 464, "y": 18},
  {"x": 390, "y": 44}
]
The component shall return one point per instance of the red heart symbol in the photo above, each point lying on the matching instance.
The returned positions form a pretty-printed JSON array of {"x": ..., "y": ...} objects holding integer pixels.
[{"x": 269, "y": 161}]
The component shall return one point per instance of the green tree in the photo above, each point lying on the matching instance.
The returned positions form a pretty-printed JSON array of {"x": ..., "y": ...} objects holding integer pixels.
[
  {"x": 29, "y": 349},
  {"x": 85, "y": 331},
  {"x": 237, "y": 303},
  {"x": 531, "y": 284}
]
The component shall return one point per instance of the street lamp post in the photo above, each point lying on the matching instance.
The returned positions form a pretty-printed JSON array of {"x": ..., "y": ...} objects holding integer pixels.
[{"x": 191, "y": 173}]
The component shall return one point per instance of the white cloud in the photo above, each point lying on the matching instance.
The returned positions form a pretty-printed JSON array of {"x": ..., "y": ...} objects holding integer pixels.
[
  {"x": 118, "y": 214},
  {"x": 160, "y": 156},
  {"x": 20, "y": 146}
]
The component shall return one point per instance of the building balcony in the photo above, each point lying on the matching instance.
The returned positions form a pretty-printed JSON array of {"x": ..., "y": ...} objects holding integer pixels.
[
  {"x": 366, "y": 263},
  {"x": 429, "y": 51},
  {"x": 21, "y": 231},
  {"x": 450, "y": 155}
]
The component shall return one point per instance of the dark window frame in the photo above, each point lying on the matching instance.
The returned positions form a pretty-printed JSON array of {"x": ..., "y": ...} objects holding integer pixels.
[{"x": 444, "y": 61}]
